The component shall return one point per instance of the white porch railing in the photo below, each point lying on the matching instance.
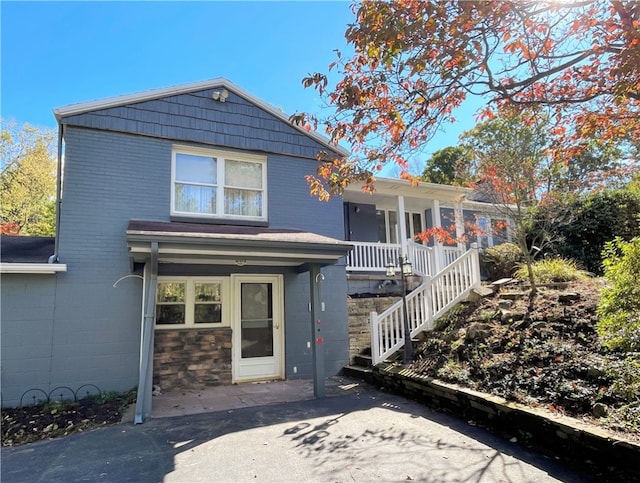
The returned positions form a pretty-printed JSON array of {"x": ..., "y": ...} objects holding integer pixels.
[
  {"x": 374, "y": 257},
  {"x": 432, "y": 299},
  {"x": 371, "y": 257}
]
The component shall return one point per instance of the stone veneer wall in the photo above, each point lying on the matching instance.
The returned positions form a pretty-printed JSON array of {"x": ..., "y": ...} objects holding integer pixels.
[
  {"x": 359, "y": 330},
  {"x": 192, "y": 359}
]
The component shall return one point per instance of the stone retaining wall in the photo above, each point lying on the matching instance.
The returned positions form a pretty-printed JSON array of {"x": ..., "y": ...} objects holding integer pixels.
[
  {"x": 562, "y": 437},
  {"x": 359, "y": 329},
  {"x": 192, "y": 359}
]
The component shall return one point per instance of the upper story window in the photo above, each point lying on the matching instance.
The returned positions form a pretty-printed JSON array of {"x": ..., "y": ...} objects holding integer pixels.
[{"x": 217, "y": 184}]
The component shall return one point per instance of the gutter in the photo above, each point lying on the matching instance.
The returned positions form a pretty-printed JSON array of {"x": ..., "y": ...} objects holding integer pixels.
[
  {"x": 33, "y": 268},
  {"x": 54, "y": 258}
]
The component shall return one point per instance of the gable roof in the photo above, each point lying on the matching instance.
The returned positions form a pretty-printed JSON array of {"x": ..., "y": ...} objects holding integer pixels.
[{"x": 219, "y": 82}]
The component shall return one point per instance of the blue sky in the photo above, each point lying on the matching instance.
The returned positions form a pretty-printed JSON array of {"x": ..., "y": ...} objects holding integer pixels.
[{"x": 59, "y": 53}]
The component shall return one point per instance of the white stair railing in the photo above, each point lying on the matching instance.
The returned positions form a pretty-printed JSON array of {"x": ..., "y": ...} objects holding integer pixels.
[
  {"x": 422, "y": 258},
  {"x": 432, "y": 299}
]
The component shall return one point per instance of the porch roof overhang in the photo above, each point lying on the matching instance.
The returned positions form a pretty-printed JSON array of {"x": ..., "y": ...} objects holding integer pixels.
[
  {"x": 194, "y": 243},
  {"x": 388, "y": 187}
]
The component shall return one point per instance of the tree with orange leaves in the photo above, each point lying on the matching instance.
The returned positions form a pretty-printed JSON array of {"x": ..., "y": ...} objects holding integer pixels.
[{"x": 416, "y": 61}]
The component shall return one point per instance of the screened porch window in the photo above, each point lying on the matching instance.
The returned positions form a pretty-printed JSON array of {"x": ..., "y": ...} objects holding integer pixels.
[{"x": 214, "y": 184}]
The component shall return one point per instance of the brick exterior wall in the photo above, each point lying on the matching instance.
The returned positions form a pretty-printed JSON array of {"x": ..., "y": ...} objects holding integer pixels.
[
  {"x": 192, "y": 359},
  {"x": 359, "y": 329}
]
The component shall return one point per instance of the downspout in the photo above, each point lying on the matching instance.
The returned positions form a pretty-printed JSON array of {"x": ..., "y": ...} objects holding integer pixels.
[
  {"x": 145, "y": 377},
  {"x": 54, "y": 258}
]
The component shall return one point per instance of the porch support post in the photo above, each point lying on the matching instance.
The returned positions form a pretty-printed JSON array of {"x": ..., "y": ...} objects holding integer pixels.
[
  {"x": 402, "y": 226},
  {"x": 437, "y": 222},
  {"x": 145, "y": 377},
  {"x": 459, "y": 217},
  {"x": 317, "y": 340}
]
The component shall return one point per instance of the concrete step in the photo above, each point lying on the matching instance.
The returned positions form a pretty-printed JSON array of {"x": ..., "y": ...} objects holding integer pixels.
[
  {"x": 359, "y": 372},
  {"x": 362, "y": 360}
]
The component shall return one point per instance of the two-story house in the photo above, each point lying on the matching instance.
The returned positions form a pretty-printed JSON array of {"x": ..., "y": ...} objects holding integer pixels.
[{"x": 188, "y": 252}]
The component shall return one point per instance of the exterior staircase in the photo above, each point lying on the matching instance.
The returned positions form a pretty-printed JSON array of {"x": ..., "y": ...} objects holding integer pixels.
[
  {"x": 361, "y": 368},
  {"x": 424, "y": 305}
]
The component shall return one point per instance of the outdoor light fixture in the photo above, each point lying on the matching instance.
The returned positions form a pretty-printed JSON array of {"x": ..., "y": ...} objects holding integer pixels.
[
  {"x": 220, "y": 95},
  {"x": 404, "y": 263},
  {"x": 405, "y": 270}
]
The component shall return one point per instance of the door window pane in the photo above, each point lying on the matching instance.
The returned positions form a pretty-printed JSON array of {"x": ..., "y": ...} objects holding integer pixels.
[
  {"x": 417, "y": 223},
  {"x": 393, "y": 227},
  {"x": 382, "y": 226},
  {"x": 256, "y": 320}
]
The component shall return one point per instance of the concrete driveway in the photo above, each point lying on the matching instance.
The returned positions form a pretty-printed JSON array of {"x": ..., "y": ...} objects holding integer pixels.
[{"x": 360, "y": 437}]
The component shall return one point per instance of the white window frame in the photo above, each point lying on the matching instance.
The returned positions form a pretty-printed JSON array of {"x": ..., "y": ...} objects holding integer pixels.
[
  {"x": 221, "y": 157},
  {"x": 189, "y": 301}
]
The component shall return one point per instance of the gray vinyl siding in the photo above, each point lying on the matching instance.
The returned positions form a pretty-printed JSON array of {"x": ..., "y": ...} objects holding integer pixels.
[{"x": 197, "y": 118}]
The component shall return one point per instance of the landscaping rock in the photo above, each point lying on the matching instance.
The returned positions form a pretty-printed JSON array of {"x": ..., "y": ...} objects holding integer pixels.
[
  {"x": 509, "y": 317},
  {"x": 478, "y": 330},
  {"x": 567, "y": 297},
  {"x": 505, "y": 304},
  {"x": 600, "y": 410}
]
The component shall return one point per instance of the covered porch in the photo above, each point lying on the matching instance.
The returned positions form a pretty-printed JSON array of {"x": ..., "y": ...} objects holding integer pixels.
[
  {"x": 380, "y": 236},
  {"x": 214, "y": 306}
]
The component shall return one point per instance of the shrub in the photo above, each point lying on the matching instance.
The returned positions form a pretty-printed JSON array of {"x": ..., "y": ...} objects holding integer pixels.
[
  {"x": 619, "y": 308},
  {"x": 501, "y": 261},
  {"x": 553, "y": 270},
  {"x": 593, "y": 220}
]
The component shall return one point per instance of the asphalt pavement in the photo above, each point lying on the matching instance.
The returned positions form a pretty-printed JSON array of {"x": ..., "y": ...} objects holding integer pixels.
[{"x": 359, "y": 437}]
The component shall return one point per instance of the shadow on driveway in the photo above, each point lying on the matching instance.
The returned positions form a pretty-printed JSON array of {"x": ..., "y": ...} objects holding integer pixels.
[{"x": 371, "y": 436}]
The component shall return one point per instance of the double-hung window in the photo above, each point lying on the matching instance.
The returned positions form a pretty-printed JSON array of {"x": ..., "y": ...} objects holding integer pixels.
[
  {"x": 218, "y": 185},
  {"x": 191, "y": 302}
]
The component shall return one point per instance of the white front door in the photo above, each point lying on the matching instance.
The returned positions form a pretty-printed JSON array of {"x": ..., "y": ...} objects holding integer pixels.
[{"x": 258, "y": 327}]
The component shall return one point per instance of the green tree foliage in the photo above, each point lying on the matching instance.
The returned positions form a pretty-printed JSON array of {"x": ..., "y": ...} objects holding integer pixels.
[
  {"x": 619, "y": 309},
  {"x": 450, "y": 166},
  {"x": 511, "y": 168},
  {"x": 634, "y": 185},
  {"x": 27, "y": 180},
  {"x": 593, "y": 220}
]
